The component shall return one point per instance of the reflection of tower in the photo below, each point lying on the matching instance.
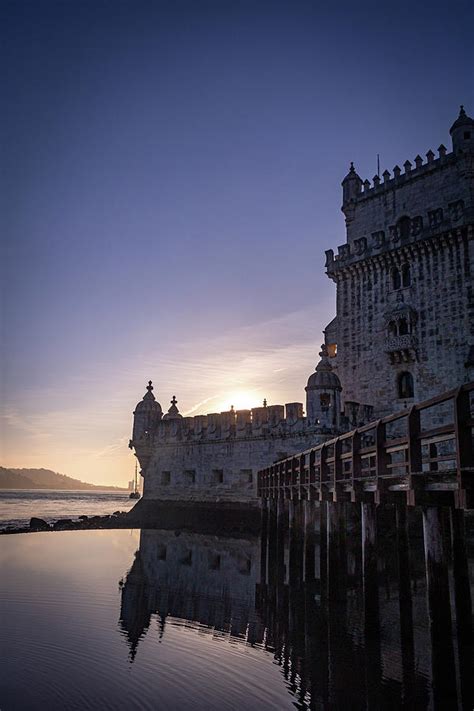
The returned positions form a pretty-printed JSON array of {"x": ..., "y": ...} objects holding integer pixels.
[{"x": 134, "y": 612}]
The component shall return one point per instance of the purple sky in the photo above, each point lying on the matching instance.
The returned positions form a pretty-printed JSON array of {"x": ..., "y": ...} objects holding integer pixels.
[{"x": 171, "y": 179}]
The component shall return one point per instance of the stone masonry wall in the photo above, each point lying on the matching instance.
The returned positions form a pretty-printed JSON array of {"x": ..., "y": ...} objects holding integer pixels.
[
  {"x": 219, "y": 470},
  {"x": 442, "y": 299}
]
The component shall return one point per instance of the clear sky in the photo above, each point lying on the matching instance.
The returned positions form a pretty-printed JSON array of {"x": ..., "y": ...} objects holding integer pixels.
[{"x": 171, "y": 178}]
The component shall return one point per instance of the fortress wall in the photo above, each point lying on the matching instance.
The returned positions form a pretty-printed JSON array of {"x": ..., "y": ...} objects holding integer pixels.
[{"x": 224, "y": 470}]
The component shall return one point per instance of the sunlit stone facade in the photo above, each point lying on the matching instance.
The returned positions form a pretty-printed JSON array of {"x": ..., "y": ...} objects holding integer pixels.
[{"x": 404, "y": 328}]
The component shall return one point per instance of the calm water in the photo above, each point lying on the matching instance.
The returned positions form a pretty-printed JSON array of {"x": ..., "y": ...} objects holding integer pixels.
[
  {"x": 153, "y": 620},
  {"x": 17, "y": 507}
]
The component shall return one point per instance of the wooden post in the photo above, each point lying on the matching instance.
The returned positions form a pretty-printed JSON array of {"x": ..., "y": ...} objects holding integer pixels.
[
  {"x": 462, "y": 598},
  {"x": 296, "y": 542},
  {"x": 282, "y": 530},
  {"x": 272, "y": 532},
  {"x": 439, "y": 608},
  {"x": 464, "y": 443},
  {"x": 405, "y": 604},
  {"x": 369, "y": 563},
  {"x": 263, "y": 540},
  {"x": 309, "y": 540},
  {"x": 414, "y": 441},
  {"x": 323, "y": 548},
  {"x": 336, "y": 562}
]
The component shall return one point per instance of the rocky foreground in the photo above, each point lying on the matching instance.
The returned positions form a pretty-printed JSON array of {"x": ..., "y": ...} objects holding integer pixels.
[{"x": 119, "y": 519}]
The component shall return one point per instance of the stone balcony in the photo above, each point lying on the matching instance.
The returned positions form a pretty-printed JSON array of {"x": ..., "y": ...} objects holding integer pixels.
[{"x": 401, "y": 349}]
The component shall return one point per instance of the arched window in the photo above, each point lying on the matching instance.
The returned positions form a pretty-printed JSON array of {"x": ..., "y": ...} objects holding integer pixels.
[
  {"x": 405, "y": 386},
  {"x": 406, "y": 276},
  {"x": 325, "y": 400},
  {"x": 396, "y": 279},
  {"x": 392, "y": 328},
  {"x": 404, "y": 226},
  {"x": 403, "y": 327}
]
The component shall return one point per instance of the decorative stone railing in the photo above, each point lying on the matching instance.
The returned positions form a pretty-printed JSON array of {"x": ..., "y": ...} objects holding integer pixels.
[{"x": 400, "y": 343}]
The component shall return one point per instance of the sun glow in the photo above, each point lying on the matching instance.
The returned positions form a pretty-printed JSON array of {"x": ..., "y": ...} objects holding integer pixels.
[{"x": 240, "y": 400}]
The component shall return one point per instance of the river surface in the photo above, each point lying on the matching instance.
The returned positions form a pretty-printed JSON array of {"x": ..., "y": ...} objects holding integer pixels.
[
  {"x": 128, "y": 619},
  {"x": 18, "y": 506}
]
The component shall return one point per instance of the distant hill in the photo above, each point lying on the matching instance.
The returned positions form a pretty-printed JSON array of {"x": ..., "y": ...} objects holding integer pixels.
[{"x": 45, "y": 479}]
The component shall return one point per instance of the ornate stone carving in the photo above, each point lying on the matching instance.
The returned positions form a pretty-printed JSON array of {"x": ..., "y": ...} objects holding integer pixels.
[
  {"x": 456, "y": 210},
  {"x": 435, "y": 217}
]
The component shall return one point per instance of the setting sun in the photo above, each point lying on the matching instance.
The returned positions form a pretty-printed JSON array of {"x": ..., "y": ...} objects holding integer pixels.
[{"x": 240, "y": 400}]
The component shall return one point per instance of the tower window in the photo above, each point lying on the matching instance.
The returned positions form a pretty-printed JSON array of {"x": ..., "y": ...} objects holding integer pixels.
[
  {"x": 218, "y": 476},
  {"x": 325, "y": 400},
  {"x": 396, "y": 279},
  {"x": 246, "y": 475},
  {"x": 406, "y": 276},
  {"x": 165, "y": 478},
  {"x": 190, "y": 476},
  {"x": 467, "y": 135},
  {"x": 405, "y": 386},
  {"x": 403, "y": 327},
  {"x": 404, "y": 227},
  {"x": 392, "y": 328}
]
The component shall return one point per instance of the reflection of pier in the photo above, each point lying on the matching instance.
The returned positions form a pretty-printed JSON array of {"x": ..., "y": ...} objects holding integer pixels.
[
  {"x": 352, "y": 623},
  {"x": 326, "y": 498},
  {"x": 355, "y": 627}
]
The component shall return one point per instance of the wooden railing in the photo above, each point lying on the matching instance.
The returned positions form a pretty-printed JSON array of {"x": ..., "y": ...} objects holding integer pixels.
[{"x": 422, "y": 455}]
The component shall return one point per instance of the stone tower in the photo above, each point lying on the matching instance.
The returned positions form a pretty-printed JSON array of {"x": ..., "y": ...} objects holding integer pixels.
[
  {"x": 147, "y": 414},
  {"x": 404, "y": 329},
  {"x": 323, "y": 395}
]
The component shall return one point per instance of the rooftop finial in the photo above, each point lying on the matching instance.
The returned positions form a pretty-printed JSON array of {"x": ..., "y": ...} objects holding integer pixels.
[
  {"x": 461, "y": 110},
  {"x": 352, "y": 169},
  {"x": 265, "y": 402},
  {"x": 149, "y": 386},
  {"x": 173, "y": 400}
]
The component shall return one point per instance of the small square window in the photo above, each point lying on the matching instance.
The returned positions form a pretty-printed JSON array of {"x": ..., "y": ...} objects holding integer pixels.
[
  {"x": 190, "y": 476},
  {"x": 165, "y": 478},
  {"x": 214, "y": 561},
  {"x": 187, "y": 558},
  {"x": 467, "y": 135},
  {"x": 246, "y": 475},
  {"x": 218, "y": 475}
]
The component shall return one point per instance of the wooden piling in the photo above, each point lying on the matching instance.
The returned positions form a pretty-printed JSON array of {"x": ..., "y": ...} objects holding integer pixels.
[
  {"x": 309, "y": 540},
  {"x": 439, "y": 607}
]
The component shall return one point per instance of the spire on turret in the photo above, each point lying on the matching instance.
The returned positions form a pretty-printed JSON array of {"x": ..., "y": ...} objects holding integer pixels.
[
  {"x": 351, "y": 189},
  {"x": 149, "y": 395},
  {"x": 173, "y": 413},
  {"x": 462, "y": 133}
]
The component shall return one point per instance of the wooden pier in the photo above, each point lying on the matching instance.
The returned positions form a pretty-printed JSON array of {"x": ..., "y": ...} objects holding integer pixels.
[
  {"x": 415, "y": 465},
  {"x": 399, "y": 459}
]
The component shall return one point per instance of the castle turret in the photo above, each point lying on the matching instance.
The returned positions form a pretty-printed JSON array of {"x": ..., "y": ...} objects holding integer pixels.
[
  {"x": 173, "y": 413},
  {"x": 351, "y": 189},
  {"x": 462, "y": 133},
  {"x": 147, "y": 414},
  {"x": 323, "y": 394}
]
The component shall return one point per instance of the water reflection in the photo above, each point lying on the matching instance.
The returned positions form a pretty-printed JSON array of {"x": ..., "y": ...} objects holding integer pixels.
[
  {"x": 349, "y": 626},
  {"x": 205, "y": 580}
]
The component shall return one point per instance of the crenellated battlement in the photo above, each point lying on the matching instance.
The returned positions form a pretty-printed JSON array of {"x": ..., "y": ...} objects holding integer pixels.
[
  {"x": 412, "y": 171},
  {"x": 421, "y": 198},
  {"x": 277, "y": 420}
]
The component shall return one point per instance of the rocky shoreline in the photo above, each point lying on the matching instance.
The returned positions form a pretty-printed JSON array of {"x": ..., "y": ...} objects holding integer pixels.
[{"x": 119, "y": 519}]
